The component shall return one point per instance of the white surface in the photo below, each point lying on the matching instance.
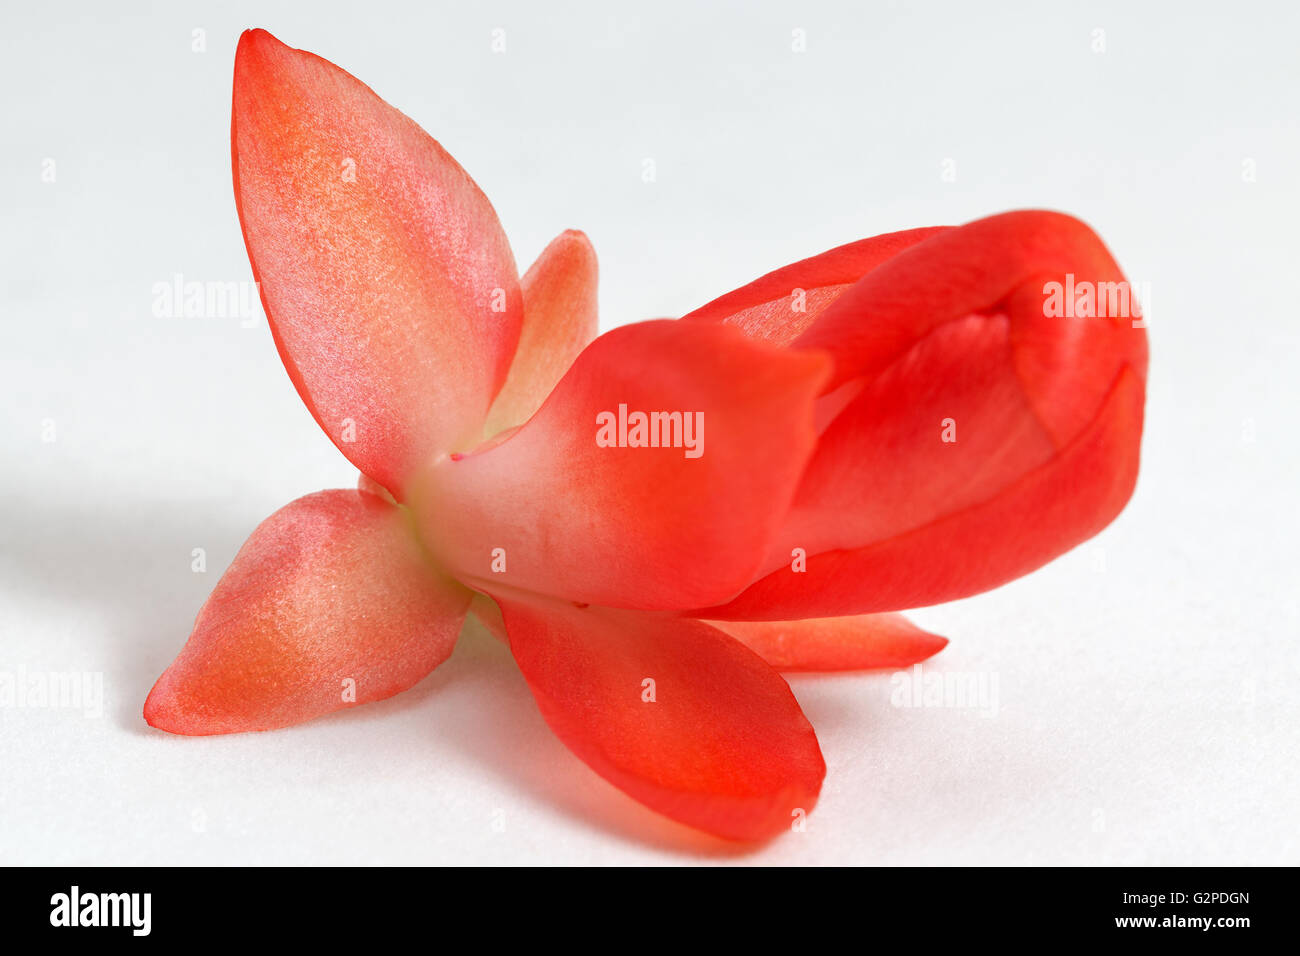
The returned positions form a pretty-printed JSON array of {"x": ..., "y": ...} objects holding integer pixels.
[{"x": 1147, "y": 704}]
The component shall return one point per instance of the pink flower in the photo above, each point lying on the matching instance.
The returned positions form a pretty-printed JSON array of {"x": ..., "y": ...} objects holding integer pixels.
[{"x": 657, "y": 520}]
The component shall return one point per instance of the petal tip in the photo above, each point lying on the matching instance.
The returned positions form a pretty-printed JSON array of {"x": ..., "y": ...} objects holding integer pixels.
[
  {"x": 930, "y": 644},
  {"x": 578, "y": 242},
  {"x": 253, "y": 40},
  {"x": 160, "y": 707},
  {"x": 257, "y": 35},
  {"x": 575, "y": 235}
]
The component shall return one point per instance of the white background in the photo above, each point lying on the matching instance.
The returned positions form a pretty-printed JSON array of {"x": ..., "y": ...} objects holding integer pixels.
[{"x": 1147, "y": 681}]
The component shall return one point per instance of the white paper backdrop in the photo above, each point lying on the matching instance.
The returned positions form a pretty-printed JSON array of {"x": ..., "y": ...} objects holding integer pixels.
[{"x": 1146, "y": 707}]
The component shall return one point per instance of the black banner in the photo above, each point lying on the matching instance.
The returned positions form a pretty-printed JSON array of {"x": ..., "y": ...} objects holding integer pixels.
[{"x": 1223, "y": 907}]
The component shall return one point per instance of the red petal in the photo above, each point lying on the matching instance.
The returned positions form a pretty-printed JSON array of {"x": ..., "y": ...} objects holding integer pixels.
[
  {"x": 882, "y": 467},
  {"x": 997, "y": 266},
  {"x": 771, "y": 307},
  {"x": 331, "y": 588},
  {"x": 390, "y": 287},
  {"x": 634, "y": 526},
  {"x": 1045, "y": 513},
  {"x": 948, "y": 340},
  {"x": 723, "y": 745},
  {"x": 559, "y": 322},
  {"x": 861, "y": 642}
]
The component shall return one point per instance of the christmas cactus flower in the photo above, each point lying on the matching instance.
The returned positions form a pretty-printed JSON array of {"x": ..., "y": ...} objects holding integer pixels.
[{"x": 659, "y": 520}]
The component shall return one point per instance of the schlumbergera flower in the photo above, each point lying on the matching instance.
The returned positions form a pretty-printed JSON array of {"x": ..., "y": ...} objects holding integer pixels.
[{"x": 895, "y": 423}]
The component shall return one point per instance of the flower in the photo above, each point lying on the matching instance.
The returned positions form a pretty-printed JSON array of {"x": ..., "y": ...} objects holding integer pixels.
[{"x": 897, "y": 422}]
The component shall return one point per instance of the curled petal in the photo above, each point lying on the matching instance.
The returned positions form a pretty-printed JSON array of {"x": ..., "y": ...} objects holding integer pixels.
[
  {"x": 331, "y": 602},
  {"x": 673, "y": 712},
  {"x": 1044, "y": 513},
  {"x": 559, "y": 322},
  {"x": 1003, "y": 266},
  {"x": 946, "y": 427},
  {"x": 781, "y": 305},
  {"x": 388, "y": 282},
  {"x": 860, "y": 642},
  {"x": 960, "y": 388},
  {"x": 572, "y": 504}
]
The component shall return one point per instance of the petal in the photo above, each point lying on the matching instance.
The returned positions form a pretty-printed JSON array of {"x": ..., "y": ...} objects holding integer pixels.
[
  {"x": 861, "y": 642},
  {"x": 959, "y": 388},
  {"x": 1044, "y": 514},
  {"x": 333, "y": 588},
  {"x": 673, "y": 712},
  {"x": 781, "y": 305},
  {"x": 552, "y": 510},
  {"x": 559, "y": 322},
  {"x": 388, "y": 282},
  {"x": 489, "y": 614},
  {"x": 998, "y": 266},
  {"x": 886, "y": 465},
  {"x": 370, "y": 486}
]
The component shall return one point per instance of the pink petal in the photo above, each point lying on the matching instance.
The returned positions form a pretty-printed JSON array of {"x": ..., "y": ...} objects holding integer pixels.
[
  {"x": 389, "y": 284},
  {"x": 332, "y": 592},
  {"x": 559, "y": 322}
]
